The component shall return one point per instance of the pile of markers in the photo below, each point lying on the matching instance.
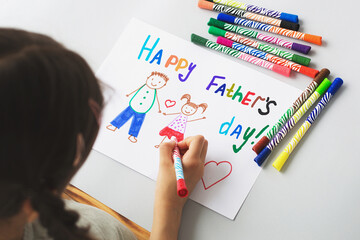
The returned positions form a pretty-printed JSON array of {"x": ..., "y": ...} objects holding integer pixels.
[{"x": 239, "y": 42}]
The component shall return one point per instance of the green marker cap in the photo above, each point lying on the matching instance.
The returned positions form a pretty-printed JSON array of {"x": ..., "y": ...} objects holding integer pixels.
[
  {"x": 216, "y": 23},
  {"x": 323, "y": 86},
  {"x": 301, "y": 60},
  {"x": 198, "y": 40},
  {"x": 217, "y": 31}
]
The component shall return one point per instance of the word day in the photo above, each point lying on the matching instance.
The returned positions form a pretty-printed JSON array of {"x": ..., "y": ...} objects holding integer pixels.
[
  {"x": 180, "y": 64},
  {"x": 235, "y": 130}
]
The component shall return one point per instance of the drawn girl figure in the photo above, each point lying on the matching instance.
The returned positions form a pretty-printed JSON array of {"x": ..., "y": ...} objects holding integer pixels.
[{"x": 178, "y": 125}]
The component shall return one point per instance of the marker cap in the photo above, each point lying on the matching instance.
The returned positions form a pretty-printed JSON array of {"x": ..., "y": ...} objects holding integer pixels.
[
  {"x": 181, "y": 188},
  {"x": 216, "y": 31},
  {"x": 224, "y": 41},
  {"x": 260, "y": 159},
  {"x": 198, "y": 40},
  {"x": 226, "y": 18},
  {"x": 216, "y": 23},
  {"x": 205, "y": 4},
  {"x": 282, "y": 70},
  {"x": 260, "y": 144},
  {"x": 308, "y": 71},
  {"x": 279, "y": 162},
  {"x": 335, "y": 85},
  {"x": 301, "y": 48},
  {"x": 313, "y": 39},
  {"x": 289, "y": 17},
  {"x": 323, "y": 86},
  {"x": 289, "y": 25},
  {"x": 321, "y": 75},
  {"x": 301, "y": 60}
]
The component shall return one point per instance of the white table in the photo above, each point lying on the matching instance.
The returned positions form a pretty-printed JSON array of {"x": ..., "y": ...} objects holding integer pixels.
[{"x": 317, "y": 195}]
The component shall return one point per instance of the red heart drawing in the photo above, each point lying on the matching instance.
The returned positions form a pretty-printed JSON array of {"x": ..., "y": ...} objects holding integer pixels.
[
  {"x": 169, "y": 103},
  {"x": 215, "y": 172}
]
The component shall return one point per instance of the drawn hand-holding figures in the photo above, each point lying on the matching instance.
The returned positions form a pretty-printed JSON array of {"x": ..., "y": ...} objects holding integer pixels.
[{"x": 141, "y": 103}]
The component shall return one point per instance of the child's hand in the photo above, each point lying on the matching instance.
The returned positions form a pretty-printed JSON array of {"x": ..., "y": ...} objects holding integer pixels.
[
  {"x": 193, "y": 151},
  {"x": 168, "y": 205}
]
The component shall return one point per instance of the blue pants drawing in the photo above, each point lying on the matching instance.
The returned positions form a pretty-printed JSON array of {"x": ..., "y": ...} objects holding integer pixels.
[{"x": 136, "y": 123}]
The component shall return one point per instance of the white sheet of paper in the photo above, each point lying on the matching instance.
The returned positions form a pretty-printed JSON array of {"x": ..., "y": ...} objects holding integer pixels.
[{"x": 229, "y": 174}]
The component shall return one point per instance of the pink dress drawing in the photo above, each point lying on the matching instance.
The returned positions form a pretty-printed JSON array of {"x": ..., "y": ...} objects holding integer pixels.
[{"x": 176, "y": 128}]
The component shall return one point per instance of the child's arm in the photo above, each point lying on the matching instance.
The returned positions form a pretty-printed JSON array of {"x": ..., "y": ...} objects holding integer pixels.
[
  {"x": 157, "y": 99},
  {"x": 171, "y": 114},
  {"x": 134, "y": 91},
  {"x": 196, "y": 119},
  {"x": 168, "y": 205}
]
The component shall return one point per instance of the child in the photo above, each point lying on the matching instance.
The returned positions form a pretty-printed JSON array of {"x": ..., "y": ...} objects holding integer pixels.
[
  {"x": 51, "y": 105},
  {"x": 178, "y": 125},
  {"x": 140, "y": 104}
]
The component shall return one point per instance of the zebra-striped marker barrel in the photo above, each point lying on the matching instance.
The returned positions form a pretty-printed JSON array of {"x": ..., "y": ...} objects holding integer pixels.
[
  {"x": 320, "y": 90},
  {"x": 237, "y": 54},
  {"x": 258, "y": 10},
  {"x": 268, "y": 28},
  {"x": 247, "y": 15},
  {"x": 263, "y": 37},
  {"x": 182, "y": 190},
  {"x": 280, "y": 161},
  {"x": 261, "y": 144}
]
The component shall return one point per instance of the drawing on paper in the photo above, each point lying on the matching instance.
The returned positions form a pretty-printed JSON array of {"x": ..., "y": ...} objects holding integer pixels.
[
  {"x": 178, "y": 126},
  {"x": 141, "y": 103},
  {"x": 215, "y": 172}
]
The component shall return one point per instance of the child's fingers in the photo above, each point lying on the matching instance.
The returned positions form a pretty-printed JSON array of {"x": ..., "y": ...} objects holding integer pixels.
[
  {"x": 193, "y": 145},
  {"x": 204, "y": 151},
  {"x": 166, "y": 151},
  {"x": 196, "y": 145}
]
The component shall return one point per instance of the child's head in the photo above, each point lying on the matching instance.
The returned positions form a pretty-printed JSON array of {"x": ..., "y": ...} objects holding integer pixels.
[
  {"x": 50, "y": 103},
  {"x": 190, "y": 108},
  {"x": 156, "y": 80}
]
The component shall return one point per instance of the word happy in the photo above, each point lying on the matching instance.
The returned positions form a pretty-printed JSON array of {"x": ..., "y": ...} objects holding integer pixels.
[{"x": 180, "y": 64}]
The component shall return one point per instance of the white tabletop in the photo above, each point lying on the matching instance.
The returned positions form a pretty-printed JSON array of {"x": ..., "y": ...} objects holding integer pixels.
[{"x": 317, "y": 195}]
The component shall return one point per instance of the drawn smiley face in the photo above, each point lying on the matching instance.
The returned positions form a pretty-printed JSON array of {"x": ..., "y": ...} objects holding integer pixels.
[
  {"x": 188, "y": 110},
  {"x": 155, "y": 82}
]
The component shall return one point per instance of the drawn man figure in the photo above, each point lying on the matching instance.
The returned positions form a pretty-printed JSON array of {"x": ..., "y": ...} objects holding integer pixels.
[{"x": 140, "y": 104}]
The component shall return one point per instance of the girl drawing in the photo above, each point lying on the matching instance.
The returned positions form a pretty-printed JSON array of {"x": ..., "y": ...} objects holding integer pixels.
[{"x": 178, "y": 125}]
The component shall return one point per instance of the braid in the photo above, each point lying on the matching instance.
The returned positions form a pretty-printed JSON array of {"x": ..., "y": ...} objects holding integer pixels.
[
  {"x": 12, "y": 197},
  {"x": 59, "y": 222}
]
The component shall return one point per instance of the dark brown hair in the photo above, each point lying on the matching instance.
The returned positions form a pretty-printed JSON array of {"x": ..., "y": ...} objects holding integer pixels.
[{"x": 45, "y": 91}]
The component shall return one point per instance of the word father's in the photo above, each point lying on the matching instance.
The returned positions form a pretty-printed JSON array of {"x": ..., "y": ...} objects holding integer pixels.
[
  {"x": 179, "y": 63},
  {"x": 246, "y": 98}
]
